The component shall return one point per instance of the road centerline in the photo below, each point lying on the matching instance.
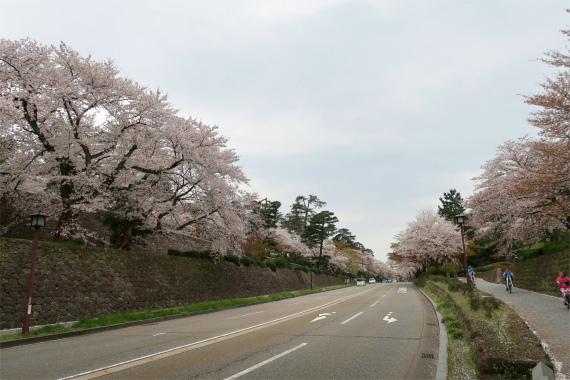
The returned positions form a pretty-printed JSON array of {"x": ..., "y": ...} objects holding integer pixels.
[
  {"x": 265, "y": 362},
  {"x": 351, "y": 318}
]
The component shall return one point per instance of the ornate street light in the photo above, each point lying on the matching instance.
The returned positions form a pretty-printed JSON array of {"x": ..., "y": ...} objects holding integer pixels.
[
  {"x": 460, "y": 219},
  {"x": 37, "y": 221}
]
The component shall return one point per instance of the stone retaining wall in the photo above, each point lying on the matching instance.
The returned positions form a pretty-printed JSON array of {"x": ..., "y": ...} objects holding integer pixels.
[{"x": 72, "y": 282}]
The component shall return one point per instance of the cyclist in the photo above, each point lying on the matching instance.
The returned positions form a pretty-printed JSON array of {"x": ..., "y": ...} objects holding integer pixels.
[
  {"x": 471, "y": 273},
  {"x": 563, "y": 284},
  {"x": 510, "y": 274}
]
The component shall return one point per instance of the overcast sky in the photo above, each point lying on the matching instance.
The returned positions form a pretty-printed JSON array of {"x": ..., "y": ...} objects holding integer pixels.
[{"x": 376, "y": 107}]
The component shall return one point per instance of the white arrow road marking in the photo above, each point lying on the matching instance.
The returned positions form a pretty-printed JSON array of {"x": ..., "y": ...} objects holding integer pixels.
[
  {"x": 265, "y": 362},
  {"x": 351, "y": 318},
  {"x": 322, "y": 316},
  {"x": 390, "y": 319},
  {"x": 402, "y": 290}
]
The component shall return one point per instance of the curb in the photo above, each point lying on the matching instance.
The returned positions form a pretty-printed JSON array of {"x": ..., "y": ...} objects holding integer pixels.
[
  {"x": 93, "y": 330},
  {"x": 441, "y": 373}
]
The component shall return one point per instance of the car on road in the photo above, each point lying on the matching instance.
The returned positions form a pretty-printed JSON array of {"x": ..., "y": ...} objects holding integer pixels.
[
  {"x": 360, "y": 282},
  {"x": 372, "y": 281}
]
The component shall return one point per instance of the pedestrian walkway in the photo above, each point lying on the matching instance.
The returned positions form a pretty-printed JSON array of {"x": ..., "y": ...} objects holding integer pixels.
[{"x": 546, "y": 316}]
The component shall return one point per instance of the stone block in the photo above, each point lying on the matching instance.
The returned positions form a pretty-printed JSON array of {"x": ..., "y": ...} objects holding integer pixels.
[{"x": 542, "y": 372}]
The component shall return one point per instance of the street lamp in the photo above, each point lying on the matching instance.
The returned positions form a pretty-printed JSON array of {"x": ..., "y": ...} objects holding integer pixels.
[
  {"x": 460, "y": 219},
  {"x": 37, "y": 221}
]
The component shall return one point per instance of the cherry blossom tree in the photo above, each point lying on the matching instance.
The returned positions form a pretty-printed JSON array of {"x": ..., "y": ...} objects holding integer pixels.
[
  {"x": 524, "y": 192},
  {"x": 429, "y": 240},
  {"x": 81, "y": 138},
  {"x": 288, "y": 242}
]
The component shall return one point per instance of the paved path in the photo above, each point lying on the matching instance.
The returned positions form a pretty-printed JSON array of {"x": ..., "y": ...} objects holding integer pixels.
[{"x": 547, "y": 317}]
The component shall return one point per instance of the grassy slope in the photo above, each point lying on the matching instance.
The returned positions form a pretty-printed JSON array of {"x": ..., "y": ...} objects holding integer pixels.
[{"x": 539, "y": 274}]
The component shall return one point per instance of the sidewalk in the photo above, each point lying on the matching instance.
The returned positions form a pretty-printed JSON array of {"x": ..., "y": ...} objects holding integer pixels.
[{"x": 546, "y": 316}]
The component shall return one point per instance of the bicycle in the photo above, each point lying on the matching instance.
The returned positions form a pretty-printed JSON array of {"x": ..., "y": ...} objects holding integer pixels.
[
  {"x": 472, "y": 276},
  {"x": 509, "y": 284}
]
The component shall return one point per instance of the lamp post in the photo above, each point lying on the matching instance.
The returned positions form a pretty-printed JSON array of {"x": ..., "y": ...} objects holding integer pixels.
[
  {"x": 460, "y": 219},
  {"x": 37, "y": 221},
  {"x": 311, "y": 270}
]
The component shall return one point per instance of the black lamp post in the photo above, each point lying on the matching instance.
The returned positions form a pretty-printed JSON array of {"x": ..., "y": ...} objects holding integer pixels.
[
  {"x": 460, "y": 219},
  {"x": 37, "y": 221}
]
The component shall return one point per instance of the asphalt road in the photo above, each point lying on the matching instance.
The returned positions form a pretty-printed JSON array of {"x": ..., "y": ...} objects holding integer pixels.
[{"x": 382, "y": 331}]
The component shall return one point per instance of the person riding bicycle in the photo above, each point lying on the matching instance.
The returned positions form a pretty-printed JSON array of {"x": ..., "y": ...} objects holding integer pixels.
[
  {"x": 510, "y": 274},
  {"x": 563, "y": 285},
  {"x": 471, "y": 273}
]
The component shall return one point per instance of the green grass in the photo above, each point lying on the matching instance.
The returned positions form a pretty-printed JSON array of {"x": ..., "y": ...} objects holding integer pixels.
[
  {"x": 107, "y": 320},
  {"x": 534, "y": 246}
]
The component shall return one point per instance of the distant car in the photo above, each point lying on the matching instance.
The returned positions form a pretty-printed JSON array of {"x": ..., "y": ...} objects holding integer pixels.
[
  {"x": 372, "y": 281},
  {"x": 360, "y": 282}
]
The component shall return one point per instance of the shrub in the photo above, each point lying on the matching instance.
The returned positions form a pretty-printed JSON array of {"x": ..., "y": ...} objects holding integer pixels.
[
  {"x": 456, "y": 333},
  {"x": 303, "y": 262},
  {"x": 454, "y": 325},
  {"x": 474, "y": 301},
  {"x": 421, "y": 281},
  {"x": 194, "y": 254},
  {"x": 272, "y": 266},
  {"x": 232, "y": 259},
  {"x": 174, "y": 252},
  {"x": 260, "y": 264},
  {"x": 432, "y": 271},
  {"x": 281, "y": 262},
  {"x": 458, "y": 286},
  {"x": 490, "y": 304},
  {"x": 245, "y": 261},
  {"x": 446, "y": 305},
  {"x": 206, "y": 254},
  {"x": 448, "y": 318},
  {"x": 438, "y": 278}
]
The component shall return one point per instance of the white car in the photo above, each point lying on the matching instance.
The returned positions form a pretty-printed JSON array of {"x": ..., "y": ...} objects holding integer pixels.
[
  {"x": 372, "y": 281},
  {"x": 360, "y": 282}
]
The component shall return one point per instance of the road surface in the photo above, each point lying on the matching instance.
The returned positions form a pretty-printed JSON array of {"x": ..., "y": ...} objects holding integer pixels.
[{"x": 387, "y": 331}]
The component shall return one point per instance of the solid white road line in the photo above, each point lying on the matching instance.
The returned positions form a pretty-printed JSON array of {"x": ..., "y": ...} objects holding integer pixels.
[
  {"x": 297, "y": 303},
  {"x": 351, "y": 318},
  {"x": 265, "y": 362},
  {"x": 245, "y": 315}
]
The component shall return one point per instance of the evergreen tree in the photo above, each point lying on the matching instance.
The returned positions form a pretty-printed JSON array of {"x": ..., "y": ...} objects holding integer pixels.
[
  {"x": 452, "y": 205},
  {"x": 343, "y": 235},
  {"x": 301, "y": 212},
  {"x": 321, "y": 226}
]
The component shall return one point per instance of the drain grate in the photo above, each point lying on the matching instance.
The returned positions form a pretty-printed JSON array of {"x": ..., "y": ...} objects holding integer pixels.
[{"x": 427, "y": 356}]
